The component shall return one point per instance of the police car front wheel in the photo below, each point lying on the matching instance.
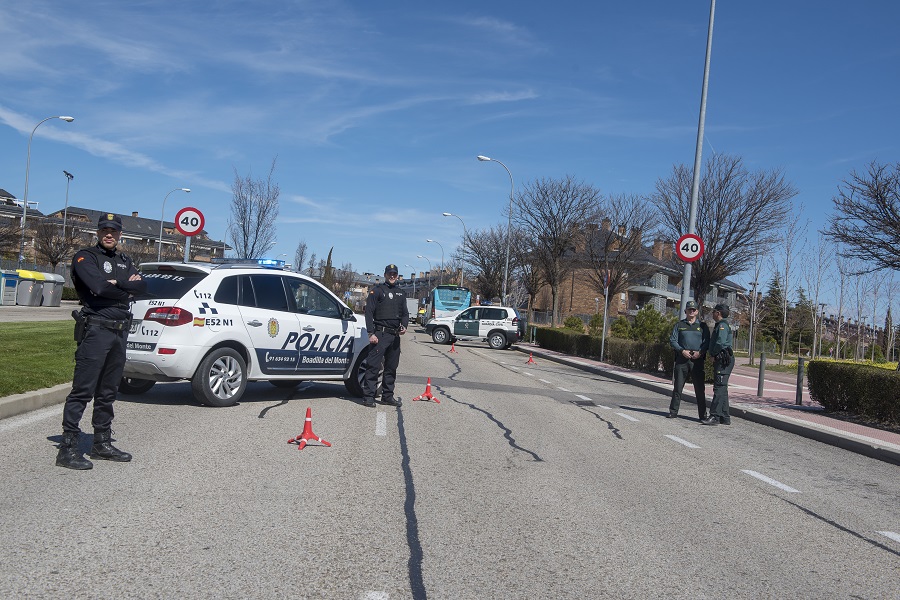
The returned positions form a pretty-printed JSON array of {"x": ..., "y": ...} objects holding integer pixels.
[{"x": 221, "y": 378}]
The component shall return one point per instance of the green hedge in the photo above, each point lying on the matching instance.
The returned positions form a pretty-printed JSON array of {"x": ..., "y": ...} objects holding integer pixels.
[
  {"x": 69, "y": 293},
  {"x": 863, "y": 390},
  {"x": 649, "y": 358}
]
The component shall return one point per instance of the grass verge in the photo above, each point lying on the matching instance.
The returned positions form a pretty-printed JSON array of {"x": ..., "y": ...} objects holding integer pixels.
[{"x": 35, "y": 355}]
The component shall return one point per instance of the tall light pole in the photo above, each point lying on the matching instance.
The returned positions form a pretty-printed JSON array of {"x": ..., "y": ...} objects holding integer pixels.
[
  {"x": 821, "y": 328},
  {"x": 69, "y": 178},
  {"x": 442, "y": 257},
  {"x": 695, "y": 186},
  {"x": 162, "y": 217},
  {"x": 429, "y": 267},
  {"x": 751, "y": 344},
  {"x": 414, "y": 279},
  {"x": 25, "y": 197},
  {"x": 508, "y": 221},
  {"x": 465, "y": 237}
]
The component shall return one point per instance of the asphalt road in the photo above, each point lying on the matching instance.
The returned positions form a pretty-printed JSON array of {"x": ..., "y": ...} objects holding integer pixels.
[{"x": 524, "y": 481}]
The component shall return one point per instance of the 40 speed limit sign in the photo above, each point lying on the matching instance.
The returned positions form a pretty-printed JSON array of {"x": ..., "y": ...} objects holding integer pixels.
[
  {"x": 689, "y": 247},
  {"x": 189, "y": 221}
]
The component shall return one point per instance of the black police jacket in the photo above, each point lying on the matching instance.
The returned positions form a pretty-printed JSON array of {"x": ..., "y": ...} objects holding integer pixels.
[
  {"x": 386, "y": 306},
  {"x": 93, "y": 269}
]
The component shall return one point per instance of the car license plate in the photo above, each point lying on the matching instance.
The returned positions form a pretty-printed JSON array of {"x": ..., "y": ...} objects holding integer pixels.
[{"x": 135, "y": 324}]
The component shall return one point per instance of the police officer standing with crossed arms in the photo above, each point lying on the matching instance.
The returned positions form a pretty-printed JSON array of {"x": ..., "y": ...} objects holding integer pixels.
[
  {"x": 690, "y": 340},
  {"x": 105, "y": 280},
  {"x": 387, "y": 317}
]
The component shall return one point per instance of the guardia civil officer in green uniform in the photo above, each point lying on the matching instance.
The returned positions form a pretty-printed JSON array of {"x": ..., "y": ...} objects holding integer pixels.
[
  {"x": 723, "y": 362},
  {"x": 387, "y": 317},
  {"x": 105, "y": 280},
  {"x": 690, "y": 340}
]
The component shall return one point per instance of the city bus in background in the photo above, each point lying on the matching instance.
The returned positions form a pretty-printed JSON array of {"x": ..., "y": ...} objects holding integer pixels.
[{"x": 445, "y": 300}]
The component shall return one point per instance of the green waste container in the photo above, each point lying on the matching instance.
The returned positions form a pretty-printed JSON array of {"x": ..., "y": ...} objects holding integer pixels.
[
  {"x": 9, "y": 281},
  {"x": 30, "y": 291}
]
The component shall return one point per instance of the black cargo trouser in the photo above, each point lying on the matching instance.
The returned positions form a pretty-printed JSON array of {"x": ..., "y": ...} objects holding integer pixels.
[
  {"x": 684, "y": 366},
  {"x": 385, "y": 353},
  {"x": 719, "y": 406},
  {"x": 99, "y": 362}
]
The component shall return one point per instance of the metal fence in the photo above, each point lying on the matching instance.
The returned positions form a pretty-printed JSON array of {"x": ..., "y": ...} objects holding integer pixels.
[{"x": 61, "y": 269}]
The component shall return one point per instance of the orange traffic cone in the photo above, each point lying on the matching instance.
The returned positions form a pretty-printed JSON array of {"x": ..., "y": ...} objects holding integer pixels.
[
  {"x": 307, "y": 434},
  {"x": 453, "y": 348},
  {"x": 427, "y": 395},
  {"x": 531, "y": 359}
]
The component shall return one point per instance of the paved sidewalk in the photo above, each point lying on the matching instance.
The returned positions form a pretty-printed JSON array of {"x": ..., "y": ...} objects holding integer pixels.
[{"x": 776, "y": 408}]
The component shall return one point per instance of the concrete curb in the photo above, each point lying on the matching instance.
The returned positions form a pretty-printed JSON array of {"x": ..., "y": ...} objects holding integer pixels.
[
  {"x": 820, "y": 433},
  {"x": 10, "y": 406}
]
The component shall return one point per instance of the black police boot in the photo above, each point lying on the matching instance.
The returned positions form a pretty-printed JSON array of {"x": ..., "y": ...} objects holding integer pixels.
[
  {"x": 103, "y": 449},
  {"x": 710, "y": 421},
  {"x": 392, "y": 401},
  {"x": 69, "y": 456}
]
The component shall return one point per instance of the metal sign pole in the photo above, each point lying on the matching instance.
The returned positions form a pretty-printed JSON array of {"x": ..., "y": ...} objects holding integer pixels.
[{"x": 187, "y": 249}]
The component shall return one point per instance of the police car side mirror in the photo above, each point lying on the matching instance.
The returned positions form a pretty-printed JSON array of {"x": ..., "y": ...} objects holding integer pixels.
[{"x": 347, "y": 314}]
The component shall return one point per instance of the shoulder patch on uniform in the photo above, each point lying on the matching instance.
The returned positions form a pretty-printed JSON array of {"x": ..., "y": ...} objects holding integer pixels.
[
  {"x": 80, "y": 258},
  {"x": 371, "y": 291}
]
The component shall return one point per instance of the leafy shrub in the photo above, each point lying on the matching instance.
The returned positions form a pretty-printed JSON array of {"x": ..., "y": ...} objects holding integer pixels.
[
  {"x": 621, "y": 328},
  {"x": 595, "y": 326},
  {"x": 574, "y": 323},
  {"x": 69, "y": 294},
  {"x": 864, "y": 390},
  {"x": 651, "y": 358}
]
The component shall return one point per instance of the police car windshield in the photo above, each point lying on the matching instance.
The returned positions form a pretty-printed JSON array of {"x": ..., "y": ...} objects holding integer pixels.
[{"x": 170, "y": 284}]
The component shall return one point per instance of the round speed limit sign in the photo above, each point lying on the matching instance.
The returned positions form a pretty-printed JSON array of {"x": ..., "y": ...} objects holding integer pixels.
[
  {"x": 189, "y": 221},
  {"x": 689, "y": 247}
]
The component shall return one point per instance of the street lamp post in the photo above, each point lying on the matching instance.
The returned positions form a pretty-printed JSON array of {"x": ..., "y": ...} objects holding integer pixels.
[
  {"x": 25, "y": 197},
  {"x": 821, "y": 328},
  {"x": 442, "y": 257},
  {"x": 69, "y": 178},
  {"x": 465, "y": 237},
  {"x": 162, "y": 217},
  {"x": 508, "y": 221},
  {"x": 429, "y": 267},
  {"x": 751, "y": 345},
  {"x": 414, "y": 279}
]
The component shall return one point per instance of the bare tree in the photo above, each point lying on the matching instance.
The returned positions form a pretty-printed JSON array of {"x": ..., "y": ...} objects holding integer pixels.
[
  {"x": 789, "y": 240},
  {"x": 814, "y": 264},
  {"x": 9, "y": 236},
  {"x": 343, "y": 279},
  {"x": 867, "y": 217},
  {"x": 312, "y": 264},
  {"x": 484, "y": 251},
  {"x": 614, "y": 250},
  {"x": 300, "y": 255},
  {"x": 51, "y": 243},
  {"x": 738, "y": 215},
  {"x": 528, "y": 272},
  {"x": 254, "y": 211},
  {"x": 142, "y": 251},
  {"x": 552, "y": 213}
]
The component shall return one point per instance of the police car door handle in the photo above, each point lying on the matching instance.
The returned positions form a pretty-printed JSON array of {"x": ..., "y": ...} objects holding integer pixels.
[
  {"x": 254, "y": 323},
  {"x": 309, "y": 328}
]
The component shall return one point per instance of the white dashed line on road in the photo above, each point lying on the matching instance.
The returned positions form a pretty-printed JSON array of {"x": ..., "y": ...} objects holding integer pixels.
[
  {"x": 545, "y": 381},
  {"x": 589, "y": 400},
  {"x": 770, "y": 481},
  {"x": 31, "y": 417},
  {"x": 527, "y": 373},
  {"x": 381, "y": 423},
  {"x": 562, "y": 389},
  {"x": 675, "y": 438},
  {"x": 891, "y": 535},
  {"x": 629, "y": 417}
]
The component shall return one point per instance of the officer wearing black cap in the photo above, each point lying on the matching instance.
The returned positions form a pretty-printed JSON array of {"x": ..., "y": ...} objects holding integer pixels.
[
  {"x": 690, "y": 339},
  {"x": 723, "y": 362},
  {"x": 386, "y": 319},
  {"x": 105, "y": 280}
]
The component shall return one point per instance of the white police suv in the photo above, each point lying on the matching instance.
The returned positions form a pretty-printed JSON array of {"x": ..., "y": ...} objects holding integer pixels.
[
  {"x": 220, "y": 326},
  {"x": 499, "y": 325}
]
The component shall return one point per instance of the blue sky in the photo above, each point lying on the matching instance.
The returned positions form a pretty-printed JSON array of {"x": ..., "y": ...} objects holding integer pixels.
[{"x": 376, "y": 110}]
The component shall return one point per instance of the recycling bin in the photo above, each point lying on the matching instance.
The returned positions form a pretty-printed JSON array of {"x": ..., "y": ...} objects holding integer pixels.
[
  {"x": 9, "y": 281},
  {"x": 30, "y": 290},
  {"x": 53, "y": 289}
]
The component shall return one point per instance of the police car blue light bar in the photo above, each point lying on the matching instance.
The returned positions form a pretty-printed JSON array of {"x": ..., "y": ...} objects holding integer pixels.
[{"x": 272, "y": 263}]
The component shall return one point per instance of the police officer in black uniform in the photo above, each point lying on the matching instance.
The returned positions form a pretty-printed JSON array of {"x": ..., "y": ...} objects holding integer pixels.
[
  {"x": 690, "y": 340},
  {"x": 105, "y": 280},
  {"x": 723, "y": 362},
  {"x": 387, "y": 317}
]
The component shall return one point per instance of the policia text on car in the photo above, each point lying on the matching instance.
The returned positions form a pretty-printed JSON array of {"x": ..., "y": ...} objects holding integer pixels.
[{"x": 106, "y": 280}]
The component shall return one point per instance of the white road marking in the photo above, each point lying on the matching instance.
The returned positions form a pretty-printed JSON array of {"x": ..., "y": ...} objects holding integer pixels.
[
  {"x": 629, "y": 417},
  {"x": 515, "y": 368},
  {"x": 372, "y": 595},
  {"x": 770, "y": 481},
  {"x": 682, "y": 442},
  {"x": 380, "y": 423},
  {"x": 891, "y": 535},
  {"x": 527, "y": 373},
  {"x": 545, "y": 381},
  {"x": 589, "y": 400},
  {"x": 32, "y": 417},
  {"x": 563, "y": 389}
]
